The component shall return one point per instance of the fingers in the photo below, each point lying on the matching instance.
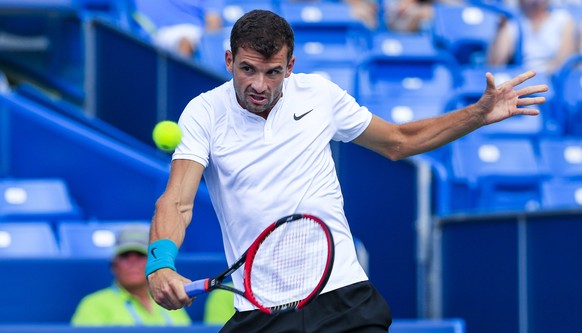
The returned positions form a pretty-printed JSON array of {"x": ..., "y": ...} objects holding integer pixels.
[
  {"x": 174, "y": 297},
  {"x": 526, "y": 112},
  {"x": 530, "y": 101},
  {"x": 532, "y": 90},
  {"x": 180, "y": 294},
  {"x": 490, "y": 80},
  {"x": 521, "y": 78},
  {"x": 167, "y": 289}
]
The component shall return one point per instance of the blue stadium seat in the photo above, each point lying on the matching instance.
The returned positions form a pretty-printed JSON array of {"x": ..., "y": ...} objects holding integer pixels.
[
  {"x": 561, "y": 194},
  {"x": 498, "y": 174},
  {"x": 393, "y": 43},
  {"x": 380, "y": 77},
  {"x": 36, "y": 199},
  {"x": 90, "y": 239},
  {"x": 334, "y": 62},
  {"x": 326, "y": 22},
  {"x": 27, "y": 239},
  {"x": 328, "y": 39},
  {"x": 403, "y": 109},
  {"x": 234, "y": 9},
  {"x": 465, "y": 31},
  {"x": 407, "y": 74},
  {"x": 562, "y": 156},
  {"x": 404, "y": 78}
]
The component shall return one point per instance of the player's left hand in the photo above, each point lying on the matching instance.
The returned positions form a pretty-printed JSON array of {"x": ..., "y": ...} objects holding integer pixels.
[{"x": 504, "y": 101}]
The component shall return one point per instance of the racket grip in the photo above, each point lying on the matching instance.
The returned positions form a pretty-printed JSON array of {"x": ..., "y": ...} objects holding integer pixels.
[{"x": 197, "y": 287}]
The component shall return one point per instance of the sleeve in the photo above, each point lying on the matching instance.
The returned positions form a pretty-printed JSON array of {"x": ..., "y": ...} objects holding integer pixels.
[
  {"x": 196, "y": 125},
  {"x": 350, "y": 119}
]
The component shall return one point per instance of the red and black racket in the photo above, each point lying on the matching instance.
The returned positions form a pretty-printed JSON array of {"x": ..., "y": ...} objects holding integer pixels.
[{"x": 285, "y": 268}]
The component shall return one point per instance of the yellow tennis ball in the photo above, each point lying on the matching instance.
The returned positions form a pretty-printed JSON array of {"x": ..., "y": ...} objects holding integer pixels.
[{"x": 167, "y": 135}]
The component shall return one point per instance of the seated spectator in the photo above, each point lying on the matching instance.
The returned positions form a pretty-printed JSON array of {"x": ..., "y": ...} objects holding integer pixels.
[
  {"x": 127, "y": 302},
  {"x": 548, "y": 37},
  {"x": 411, "y": 15},
  {"x": 365, "y": 11},
  {"x": 181, "y": 26}
]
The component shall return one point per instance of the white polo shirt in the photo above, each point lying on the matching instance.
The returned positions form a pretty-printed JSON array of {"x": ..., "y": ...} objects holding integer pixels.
[{"x": 258, "y": 170}]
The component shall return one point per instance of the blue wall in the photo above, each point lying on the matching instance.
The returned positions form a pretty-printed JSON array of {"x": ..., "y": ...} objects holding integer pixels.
[{"x": 513, "y": 272}]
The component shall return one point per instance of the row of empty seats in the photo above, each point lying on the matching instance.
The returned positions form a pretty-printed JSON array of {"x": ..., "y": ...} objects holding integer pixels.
[
  {"x": 515, "y": 174},
  {"x": 40, "y": 217},
  {"x": 80, "y": 239}
]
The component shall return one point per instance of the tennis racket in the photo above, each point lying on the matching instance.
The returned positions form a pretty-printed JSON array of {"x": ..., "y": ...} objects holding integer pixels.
[{"x": 285, "y": 268}]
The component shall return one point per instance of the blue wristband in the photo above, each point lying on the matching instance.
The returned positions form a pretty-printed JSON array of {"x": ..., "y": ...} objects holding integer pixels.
[{"x": 161, "y": 254}]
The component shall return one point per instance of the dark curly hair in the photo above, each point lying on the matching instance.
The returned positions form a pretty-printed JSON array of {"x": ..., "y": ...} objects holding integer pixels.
[{"x": 262, "y": 31}]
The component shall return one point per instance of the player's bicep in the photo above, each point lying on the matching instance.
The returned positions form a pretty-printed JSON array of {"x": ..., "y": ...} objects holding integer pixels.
[{"x": 185, "y": 177}]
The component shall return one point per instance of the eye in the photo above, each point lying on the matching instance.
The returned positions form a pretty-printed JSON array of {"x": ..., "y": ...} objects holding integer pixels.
[
  {"x": 246, "y": 69},
  {"x": 274, "y": 72}
]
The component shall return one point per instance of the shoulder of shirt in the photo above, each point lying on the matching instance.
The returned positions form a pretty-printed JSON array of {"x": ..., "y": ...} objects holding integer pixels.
[
  {"x": 310, "y": 81},
  {"x": 218, "y": 94},
  {"x": 560, "y": 14},
  {"x": 218, "y": 91}
]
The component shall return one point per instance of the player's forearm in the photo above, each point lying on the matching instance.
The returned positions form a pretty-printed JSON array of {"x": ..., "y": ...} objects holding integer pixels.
[
  {"x": 174, "y": 208},
  {"x": 170, "y": 220},
  {"x": 431, "y": 133}
]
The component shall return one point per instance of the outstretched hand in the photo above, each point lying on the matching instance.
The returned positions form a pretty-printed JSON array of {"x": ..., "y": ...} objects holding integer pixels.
[{"x": 504, "y": 101}]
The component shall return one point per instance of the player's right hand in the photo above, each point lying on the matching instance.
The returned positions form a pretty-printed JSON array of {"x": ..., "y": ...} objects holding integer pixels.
[{"x": 167, "y": 289}]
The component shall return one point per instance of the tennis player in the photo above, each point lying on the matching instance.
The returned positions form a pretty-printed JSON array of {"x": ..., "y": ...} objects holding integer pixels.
[{"x": 262, "y": 143}]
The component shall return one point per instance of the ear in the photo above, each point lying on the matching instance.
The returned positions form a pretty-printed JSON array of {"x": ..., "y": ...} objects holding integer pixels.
[
  {"x": 290, "y": 66},
  {"x": 229, "y": 60}
]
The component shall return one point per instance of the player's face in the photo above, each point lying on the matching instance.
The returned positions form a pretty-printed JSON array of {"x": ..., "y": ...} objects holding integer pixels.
[
  {"x": 258, "y": 82},
  {"x": 129, "y": 268}
]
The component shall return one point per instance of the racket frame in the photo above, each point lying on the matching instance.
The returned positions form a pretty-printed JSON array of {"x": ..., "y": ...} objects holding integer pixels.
[
  {"x": 253, "y": 249},
  {"x": 199, "y": 287}
]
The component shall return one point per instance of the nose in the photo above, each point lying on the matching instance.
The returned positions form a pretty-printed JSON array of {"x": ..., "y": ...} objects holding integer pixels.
[{"x": 259, "y": 83}]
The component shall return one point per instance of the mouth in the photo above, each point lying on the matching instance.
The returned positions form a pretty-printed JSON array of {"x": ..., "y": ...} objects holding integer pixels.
[{"x": 258, "y": 99}]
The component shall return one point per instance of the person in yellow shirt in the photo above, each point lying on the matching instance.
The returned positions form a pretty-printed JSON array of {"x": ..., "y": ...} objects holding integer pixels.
[
  {"x": 219, "y": 307},
  {"x": 127, "y": 302}
]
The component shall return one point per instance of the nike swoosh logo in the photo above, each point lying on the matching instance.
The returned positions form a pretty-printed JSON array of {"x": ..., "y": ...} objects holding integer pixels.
[
  {"x": 296, "y": 117},
  {"x": 153, "y": 254}
]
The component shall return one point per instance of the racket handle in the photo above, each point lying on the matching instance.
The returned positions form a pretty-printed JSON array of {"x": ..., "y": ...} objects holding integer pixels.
[{"x": 197, "y": 287}]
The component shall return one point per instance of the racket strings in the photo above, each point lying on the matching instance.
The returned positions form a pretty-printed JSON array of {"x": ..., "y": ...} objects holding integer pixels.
[{"x": 290, "y": 263}]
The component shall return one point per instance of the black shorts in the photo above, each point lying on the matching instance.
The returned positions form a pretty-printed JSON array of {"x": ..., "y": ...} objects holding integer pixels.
[{"x": 354, "y": 308}]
